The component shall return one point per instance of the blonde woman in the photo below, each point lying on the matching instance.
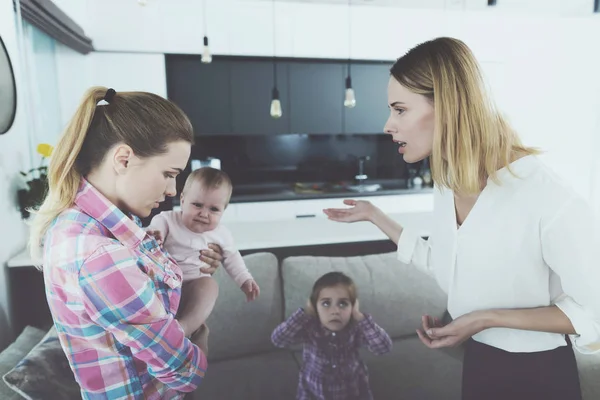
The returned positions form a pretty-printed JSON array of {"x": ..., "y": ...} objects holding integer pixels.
[
  {"x": 112, "y": 291},
  {"x": 515, "y": 248}
]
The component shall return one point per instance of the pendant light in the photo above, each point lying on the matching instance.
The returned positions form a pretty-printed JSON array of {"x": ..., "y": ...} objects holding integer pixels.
[
  {"x": 206, "y": 56},
  {"x": 349, "y": 97},
  {"x": 275, "y": 110}
]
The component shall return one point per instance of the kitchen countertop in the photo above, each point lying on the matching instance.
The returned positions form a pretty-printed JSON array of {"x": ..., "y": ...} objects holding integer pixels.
[
  {"x": 300, "y": 232},
  {"x": 281, "y": 192}
]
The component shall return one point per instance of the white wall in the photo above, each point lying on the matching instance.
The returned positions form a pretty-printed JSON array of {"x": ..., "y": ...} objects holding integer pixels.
[
  {"x": 14, "y": 157},
  {"x": 121, "y": 71}
]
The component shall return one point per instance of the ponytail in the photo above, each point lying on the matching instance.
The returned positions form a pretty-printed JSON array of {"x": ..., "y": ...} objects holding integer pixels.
[{"x": 63, "y": 178}]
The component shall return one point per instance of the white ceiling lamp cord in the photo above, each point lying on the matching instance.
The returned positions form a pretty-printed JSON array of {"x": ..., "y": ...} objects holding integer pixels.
[
  {"x": 275, "y": 110},
  {"x": 206, "y": 55},
  {"x": 349, "y": 96}
]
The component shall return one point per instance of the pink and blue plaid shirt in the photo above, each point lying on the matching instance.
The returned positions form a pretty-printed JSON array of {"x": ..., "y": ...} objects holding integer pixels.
[{"x": 114, "y": 295}]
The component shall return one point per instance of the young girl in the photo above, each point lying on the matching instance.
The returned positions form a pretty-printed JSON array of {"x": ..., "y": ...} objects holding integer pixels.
[
  {"x": 332, "y": 329},
  {"x": 186, "y": 233}
]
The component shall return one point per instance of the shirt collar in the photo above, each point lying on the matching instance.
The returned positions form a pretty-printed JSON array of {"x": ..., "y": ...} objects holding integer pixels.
[{"x": 126, "y": 228}]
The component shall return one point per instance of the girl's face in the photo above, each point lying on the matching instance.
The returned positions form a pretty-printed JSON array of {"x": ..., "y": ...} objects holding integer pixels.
[
  {"x": 334, "y": 307},
  {"x": 411, "y": 122},
  {"x": 142, "y": 183}
]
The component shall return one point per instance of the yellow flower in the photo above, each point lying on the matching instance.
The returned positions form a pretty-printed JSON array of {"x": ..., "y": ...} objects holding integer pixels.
[{"x": 45, "y": 149}]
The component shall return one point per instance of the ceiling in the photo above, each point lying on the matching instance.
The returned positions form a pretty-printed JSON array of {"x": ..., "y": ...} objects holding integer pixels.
[{"x": 388, "y": 3}]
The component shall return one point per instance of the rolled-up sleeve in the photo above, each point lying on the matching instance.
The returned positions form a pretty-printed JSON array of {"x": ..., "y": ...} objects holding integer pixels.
[
  {"x": 571, "y": 248},
  {"x": 414, "y": 250},
  {"x": 121, "y": 298}
]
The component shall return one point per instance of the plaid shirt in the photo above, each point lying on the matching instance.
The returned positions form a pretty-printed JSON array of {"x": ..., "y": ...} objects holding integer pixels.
[
  {"x": 114, "y": 295},
  {"x": 332, "y": 368}
]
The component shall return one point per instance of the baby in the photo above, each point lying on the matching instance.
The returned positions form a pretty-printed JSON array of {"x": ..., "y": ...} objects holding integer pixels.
[
  {"x": 185, "y": 233},
  {"x": 332, "y": 329}
]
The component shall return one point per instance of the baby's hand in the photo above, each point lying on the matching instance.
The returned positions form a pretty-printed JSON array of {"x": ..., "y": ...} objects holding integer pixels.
[
  {"x": 251, "y": 289},
  {"x": 156, "y": 235}
]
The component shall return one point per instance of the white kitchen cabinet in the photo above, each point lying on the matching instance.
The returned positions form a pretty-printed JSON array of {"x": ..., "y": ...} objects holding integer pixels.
[{"x": 313, "y": 208}]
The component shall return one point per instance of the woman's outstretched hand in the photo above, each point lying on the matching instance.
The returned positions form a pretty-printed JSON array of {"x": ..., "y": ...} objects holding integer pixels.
[{"x": 360, "y": 210}]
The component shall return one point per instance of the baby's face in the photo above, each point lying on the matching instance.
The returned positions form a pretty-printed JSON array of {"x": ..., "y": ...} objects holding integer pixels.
[{"x": 202, "y": 209}]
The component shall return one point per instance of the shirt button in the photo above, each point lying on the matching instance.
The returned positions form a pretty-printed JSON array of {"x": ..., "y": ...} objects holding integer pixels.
[
  {"x": 333, "y": 365},
  {"x": 332, "y": 333}
]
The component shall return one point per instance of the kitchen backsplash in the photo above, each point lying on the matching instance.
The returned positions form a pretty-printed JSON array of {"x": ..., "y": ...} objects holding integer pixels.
[{"x": 292, "y": 158}]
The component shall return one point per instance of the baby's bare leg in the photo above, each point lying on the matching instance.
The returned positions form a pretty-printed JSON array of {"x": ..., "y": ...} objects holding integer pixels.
[{"x": 197, "y": 302}]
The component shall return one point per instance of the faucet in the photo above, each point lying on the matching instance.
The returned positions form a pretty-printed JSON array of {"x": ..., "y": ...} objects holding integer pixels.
[{"x": 361, "y": 177}]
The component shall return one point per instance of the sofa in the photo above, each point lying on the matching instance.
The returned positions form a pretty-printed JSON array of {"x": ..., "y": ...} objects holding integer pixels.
[{"x": 244, "y": 364}]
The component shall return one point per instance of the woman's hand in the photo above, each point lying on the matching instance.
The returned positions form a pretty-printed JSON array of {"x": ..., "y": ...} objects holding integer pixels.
[
  {"x": 213, "y": 257},
  {"x": 435, "y": 335},
  {"x": 156, "y": 235},
  {"x": 361, "y": 210}
]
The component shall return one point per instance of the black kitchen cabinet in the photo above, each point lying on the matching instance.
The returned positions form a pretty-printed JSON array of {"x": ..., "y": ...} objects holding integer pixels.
[
  {"x": 232, "y": 95},
  {"x": 316, "y": 96},
  {"x": 251, "y": 91},
  {"x": 369, "y": 82},
  {"x": 203, "y": 91}
]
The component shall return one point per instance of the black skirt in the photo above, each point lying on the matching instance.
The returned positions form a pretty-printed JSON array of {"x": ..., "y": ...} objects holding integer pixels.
[{"x": 493, "y": 374}]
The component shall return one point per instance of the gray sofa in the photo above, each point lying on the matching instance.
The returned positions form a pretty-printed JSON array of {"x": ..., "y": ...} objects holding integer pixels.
[{"x": 244, "y": 365}]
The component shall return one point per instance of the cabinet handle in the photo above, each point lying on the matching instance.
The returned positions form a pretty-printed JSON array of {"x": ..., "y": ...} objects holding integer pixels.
[{"x": 306, "y": 216}]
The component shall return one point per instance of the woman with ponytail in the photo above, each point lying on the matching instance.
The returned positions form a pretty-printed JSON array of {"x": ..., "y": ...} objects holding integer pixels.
[{"x": 112, "y": 291}]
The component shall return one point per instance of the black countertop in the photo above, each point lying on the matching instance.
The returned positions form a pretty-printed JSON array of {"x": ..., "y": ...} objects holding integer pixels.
[{"x": 305, "y": 191}]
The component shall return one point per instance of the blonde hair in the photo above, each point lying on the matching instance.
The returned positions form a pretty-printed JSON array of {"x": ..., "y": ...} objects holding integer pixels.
[
  {"x": 144, "y": 121},
  {"x": 472, "y": 140},
  {"x": 210, "y": 178}
]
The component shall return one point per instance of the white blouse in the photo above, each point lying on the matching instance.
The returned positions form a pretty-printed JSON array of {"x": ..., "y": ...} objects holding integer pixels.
[{"x": 529, "y": 242}]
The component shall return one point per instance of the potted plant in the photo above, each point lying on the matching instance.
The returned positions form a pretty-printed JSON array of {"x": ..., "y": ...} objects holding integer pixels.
[{"x": 36, "y": 183}]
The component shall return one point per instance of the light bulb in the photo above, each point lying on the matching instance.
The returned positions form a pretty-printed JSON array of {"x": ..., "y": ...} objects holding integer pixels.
[
  {"x": 349, "y": 99},
  {"x": 206, "y": 56},
  {"x": 276, "y": 111},
  {"x": 142, "y": 2},
  {"x": 276, "y": 108}
]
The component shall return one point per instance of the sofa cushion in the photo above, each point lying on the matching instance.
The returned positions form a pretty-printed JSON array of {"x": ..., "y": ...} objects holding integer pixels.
[
  {"x": 13, "y": 354},
  {"x": 44, "y": 373},
  {"x": 240, "y": 328},
  {"x": 267, "y": 376},
  {"x": 589, "y": 371},
  {"x": 412, "y": 371},
  {"x": 396, "y": 294}
]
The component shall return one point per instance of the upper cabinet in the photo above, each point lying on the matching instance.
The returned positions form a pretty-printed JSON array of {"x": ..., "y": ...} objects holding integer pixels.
[
  {"x": 232, "y": 95},
  {"x": 316, "y": 97},
  {"x": 370, "y": 88},
  {"x": 203, "y": 91},
  {"x": 251, "y": 91}
]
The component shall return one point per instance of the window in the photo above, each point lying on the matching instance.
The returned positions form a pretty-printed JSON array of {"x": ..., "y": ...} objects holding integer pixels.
[{"x": 8, "y": 91}]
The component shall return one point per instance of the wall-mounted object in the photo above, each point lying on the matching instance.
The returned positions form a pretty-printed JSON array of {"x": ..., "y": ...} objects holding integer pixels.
[{"x": 8, "y": 94}]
